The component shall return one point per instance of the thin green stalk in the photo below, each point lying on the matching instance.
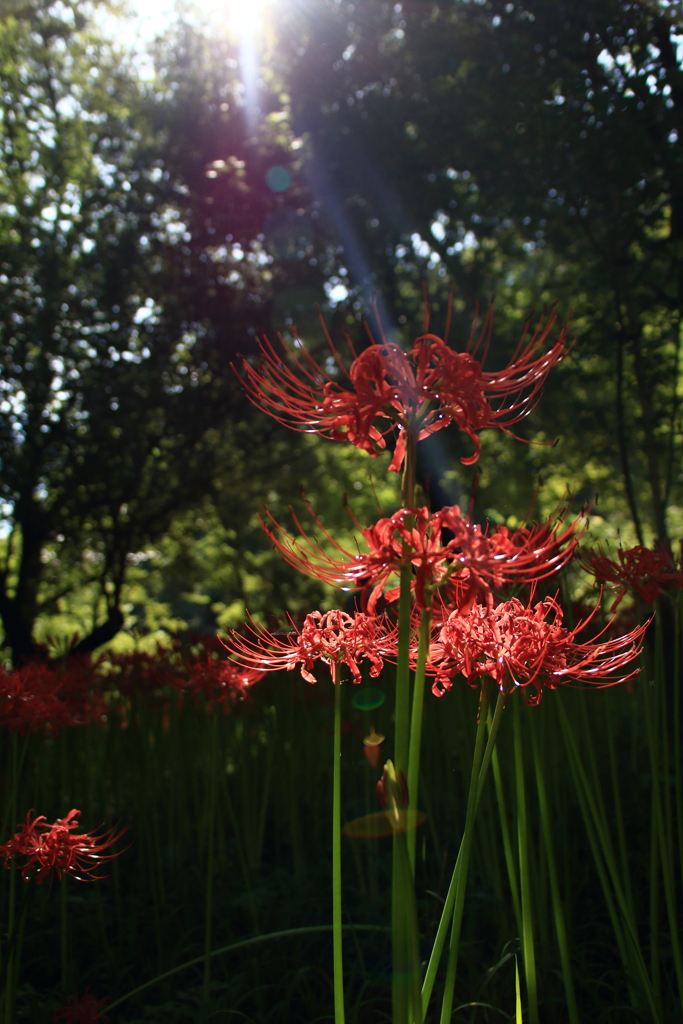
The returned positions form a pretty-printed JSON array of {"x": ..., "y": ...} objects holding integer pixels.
[
  {"x": 481, "y": 760},
  {"x": 401, "y": 744},
  {"x": 627, "y": 940},
  {"x": 416, "y": 726},
  {"x": 507, "y": 842},
  {"x": 558, "y": 911},
  {"x": 493, "y": 726},
  {"x": 410, "y": 972},
  {"x": 241, "y": 856},
  {"x": 12, "y": 954},
  {"x": 11, "y": 964},
  {"x": 619, "y": 817},
  {"x": 678, "y": 754},
  {"x": 660, "y": 842},
  {"x": 337, "y": 953},
  {"x": 64, "y": 932},
  {"x": 211, "y": 827},
  {"x": 464, "y": 857},
  {"x": 401, "y": 725},
  {"x": 402, "y": 710},
  {"x": 288, "y": 933},
  {"x": 267, "y": 782},
  {"x": 654, "y": 910},
  {"x": 528, "y": 950}
]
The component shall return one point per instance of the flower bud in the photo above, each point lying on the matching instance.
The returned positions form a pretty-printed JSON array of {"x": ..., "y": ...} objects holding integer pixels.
[{"x": 392, "y": 793}]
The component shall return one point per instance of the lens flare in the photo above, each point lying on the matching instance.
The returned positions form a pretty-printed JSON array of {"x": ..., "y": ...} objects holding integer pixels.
[
  {"x": 367, "y": 698},
  {"x": 243, "y": 17},
  {"x": 373, "y": 826}
]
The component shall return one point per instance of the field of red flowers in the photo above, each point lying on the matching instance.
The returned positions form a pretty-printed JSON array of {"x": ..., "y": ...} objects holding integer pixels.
[{"x": 216, "y": 830}]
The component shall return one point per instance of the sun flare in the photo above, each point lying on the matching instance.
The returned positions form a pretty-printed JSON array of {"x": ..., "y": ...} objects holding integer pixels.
[{"x": 244, "y": 17}]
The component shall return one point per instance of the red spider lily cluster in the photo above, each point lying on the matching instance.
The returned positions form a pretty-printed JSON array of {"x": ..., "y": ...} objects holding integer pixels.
[
  {"x": 460, "y": 572},
  {"x": 35, "y": 695},
  {"x": 86, "y": 1010},
  {"x": 45, "y": 850},
  {"x": 333, "y": 637},
  {"x": 637, "y": 570},
  {"x": 468, "y": 564},
  {"x": 527, "y": 646},
  {"x": 55, "y": 695},
  {"x": 411, "y": 394}
]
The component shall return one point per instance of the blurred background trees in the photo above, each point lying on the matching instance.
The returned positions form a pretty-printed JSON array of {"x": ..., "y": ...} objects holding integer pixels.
[{"x": 157, "y": 214}]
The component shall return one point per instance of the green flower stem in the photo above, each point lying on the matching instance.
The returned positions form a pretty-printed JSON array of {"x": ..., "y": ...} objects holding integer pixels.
[
  {"x": 402, "y": 711},
  {"x": 493, "y": 725},
  {"x": 11, "y": 964},
  {"x": 399, "y": 939},
  {"x": 401, "y": 743},
  {"x": 337, "y": 953},
  {"x": 518, "y": 996},
  {"x": 558, "y": 912},
  {"x": 660, "y": 838},
  {"x": 288, "y": 933},
  {"x": 524, "y": 879},
  {"x": 617, "y": 903},
  {"x": 399, "y": 923},
  {"x": 464, "y": 857},
  {"x": 655, "y": 972},
  {"x": 678, "y": 754},
  {"x": 211, "y": 827},
  {"x": 619, "y": 817},
  {"x": 11, "y": 967},
  {"x": 507, "y": 842},
  {"x": 416, "y": 727},
  {"x": 410, "y": 1001},
  {"x": 64, "y": 932},
  {"x": 481, "y": 760}
]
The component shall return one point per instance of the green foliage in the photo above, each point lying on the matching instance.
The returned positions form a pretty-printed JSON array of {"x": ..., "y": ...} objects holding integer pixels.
[
  {"x": 215, "y": 563},
  {"x": 529, "y": 150},
  {"x": 435, "y": 142},
  {"x": 131, "y": 271}
]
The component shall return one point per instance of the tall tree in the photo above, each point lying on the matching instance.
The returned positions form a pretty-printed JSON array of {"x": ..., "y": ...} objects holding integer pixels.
[
  {"x": 481, "y": 136},
  {"x": 132, "y": 267}
]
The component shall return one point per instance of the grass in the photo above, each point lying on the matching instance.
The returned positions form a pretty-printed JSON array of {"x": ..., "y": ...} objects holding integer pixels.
[{"x": 229, "y": 826}]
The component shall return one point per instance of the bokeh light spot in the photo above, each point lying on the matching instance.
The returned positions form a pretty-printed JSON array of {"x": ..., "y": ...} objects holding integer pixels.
[
  {"x": 278, "y": 179},
  {"x": 367, "y": 698},
  {"x": 373, "y": 826}
]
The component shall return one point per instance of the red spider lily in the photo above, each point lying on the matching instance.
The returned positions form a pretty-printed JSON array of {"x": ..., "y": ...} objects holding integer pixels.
[
  {"x": 333, "y": 637},
  {"x": 220, "y": 679},
  {"x": 37, "y": 696},
  {"x": 416, "y": 393},
  {"x": 56, "y": 848},
  {"x": 638, "y": 569},
  {"x": 469, "y": 564},
  {"x": 191, "y": 665},
  {"x": 527, "y": 646},
  {"x": 85, "y": 1010}
]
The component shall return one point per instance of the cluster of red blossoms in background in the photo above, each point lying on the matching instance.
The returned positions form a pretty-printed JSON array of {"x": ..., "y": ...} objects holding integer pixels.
[
  {"x": 78, "y": 690},
  {"x": 86, "y": 1010},
  {"x": 637, "y": 570}
]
